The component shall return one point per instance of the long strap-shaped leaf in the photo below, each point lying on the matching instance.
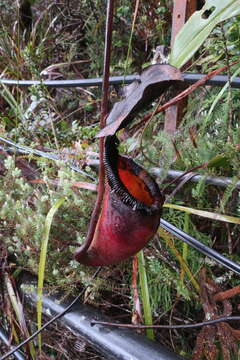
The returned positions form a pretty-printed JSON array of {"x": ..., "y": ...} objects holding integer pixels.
[
  {"x": 42, "y": 261},
  {"x": 206, "y": 214},
  {"x": 199, "y": 26}
]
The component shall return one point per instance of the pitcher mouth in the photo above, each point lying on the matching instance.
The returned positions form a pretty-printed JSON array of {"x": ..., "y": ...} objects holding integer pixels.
[{"x": 129, "y": 181}]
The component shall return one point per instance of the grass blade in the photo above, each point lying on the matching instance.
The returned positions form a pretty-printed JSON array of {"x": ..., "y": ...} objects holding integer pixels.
[
  {"x": 185, "y": 246},
  {"x": 145, "y": 294},
  {"x": 42, "y": 263},
  {"x": 206, "y": 214},
  {"x": 170, "y": 243}
]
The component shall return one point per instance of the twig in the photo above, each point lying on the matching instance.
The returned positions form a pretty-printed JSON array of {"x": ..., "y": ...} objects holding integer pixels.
[
  {"x": 183, "y": 175},
  {"x": 223, "y": 295},
  {"x": 131, "y": 35},
  {"x": 183, "y": 326},
  {"x": 222, "y": 333}
]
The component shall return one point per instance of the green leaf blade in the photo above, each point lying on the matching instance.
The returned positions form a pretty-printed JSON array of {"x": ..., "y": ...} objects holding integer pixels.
[
  {"x": 42, "y": 262},
  {"x": 197, "y": 28},
  {"x": 206, "y": 214},
  {"x": 145, "y": 294}
]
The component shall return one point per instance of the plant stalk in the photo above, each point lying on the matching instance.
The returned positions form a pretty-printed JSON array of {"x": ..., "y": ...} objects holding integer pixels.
[{"x": 104, "y": 112}]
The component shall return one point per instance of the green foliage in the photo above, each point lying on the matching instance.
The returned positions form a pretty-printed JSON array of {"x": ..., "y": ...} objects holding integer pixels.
[
  {"x": 198, "y": 191},
  {"x": 228, "y": 193},
  {"x": 177, "y": 218},
  {"x": 23, "y": 213},
  {"x": 162, "y": 281},
  {"x": 198, "y": 27}
]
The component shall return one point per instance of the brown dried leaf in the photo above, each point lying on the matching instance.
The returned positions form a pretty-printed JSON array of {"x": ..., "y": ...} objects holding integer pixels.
[{"x": 154, "y": 81}]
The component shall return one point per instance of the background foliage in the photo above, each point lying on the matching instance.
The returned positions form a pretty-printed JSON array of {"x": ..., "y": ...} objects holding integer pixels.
[{"x": 65, "y": 40}]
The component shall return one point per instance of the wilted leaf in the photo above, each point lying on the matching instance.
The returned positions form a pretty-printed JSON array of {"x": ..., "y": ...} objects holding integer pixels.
[
  {"x": 155, "y": 80},
  {"x": 18, "y": 309}
]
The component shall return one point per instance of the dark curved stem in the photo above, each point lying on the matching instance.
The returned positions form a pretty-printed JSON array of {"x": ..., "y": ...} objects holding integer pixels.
[
  {"x": 104, "y": 111},
  {"x": 184, "y": 174},
  {"x": 183, "y": 326}
]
